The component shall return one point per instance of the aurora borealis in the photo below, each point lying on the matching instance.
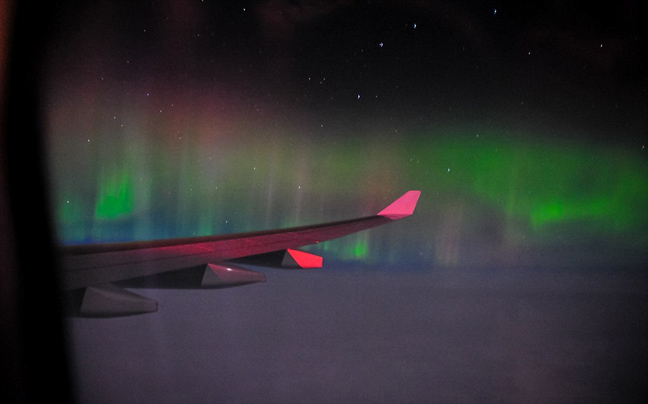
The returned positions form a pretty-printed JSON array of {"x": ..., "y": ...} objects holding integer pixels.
[
  {"x": 527, "y": 192},
  {"x": 165, "y": 121}
]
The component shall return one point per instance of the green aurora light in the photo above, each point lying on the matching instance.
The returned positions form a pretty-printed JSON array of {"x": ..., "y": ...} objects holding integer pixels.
[
  {"x": 114, "y": 195},
  {"x": 541, "y": 182},
  {"x": 543, "y": 191}
]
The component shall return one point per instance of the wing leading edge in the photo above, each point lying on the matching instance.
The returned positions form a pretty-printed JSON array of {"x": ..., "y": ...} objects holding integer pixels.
[{"x": 93, "y": 266}]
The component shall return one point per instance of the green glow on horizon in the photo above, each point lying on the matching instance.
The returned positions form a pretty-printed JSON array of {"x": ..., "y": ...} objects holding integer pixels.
[
  {"x": 522, "y": 191},
  {"x": 115, "y": 196},
  {"x": 541, "y": 182},
  {"x": 361, "y": 247}
]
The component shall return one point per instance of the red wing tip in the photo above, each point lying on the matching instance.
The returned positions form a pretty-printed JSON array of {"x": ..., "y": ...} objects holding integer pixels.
[{"x": 401, "y": 207}]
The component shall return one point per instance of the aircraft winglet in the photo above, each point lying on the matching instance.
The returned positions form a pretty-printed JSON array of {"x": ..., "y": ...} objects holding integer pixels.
[{"x": 401, "y": 207}]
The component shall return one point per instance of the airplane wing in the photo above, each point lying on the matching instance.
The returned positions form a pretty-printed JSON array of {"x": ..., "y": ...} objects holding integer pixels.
[{"x": 94, "y": 275}]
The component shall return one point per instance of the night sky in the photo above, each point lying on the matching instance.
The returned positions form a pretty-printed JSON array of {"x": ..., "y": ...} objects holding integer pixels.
[{"x": 524, "y": 126}]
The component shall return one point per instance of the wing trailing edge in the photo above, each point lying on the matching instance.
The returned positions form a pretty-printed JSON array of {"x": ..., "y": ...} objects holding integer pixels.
[{"x": 200, "y": 262}]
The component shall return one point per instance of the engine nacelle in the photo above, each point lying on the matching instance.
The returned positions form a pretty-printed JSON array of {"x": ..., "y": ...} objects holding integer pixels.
[
  {"x": 286, "y": 259},
  {"x": 210, "y": 276},
  {"x": 108, "y": 301},
  {"x": 220, "y": 276},
  {"x": 112, "y": 301}
]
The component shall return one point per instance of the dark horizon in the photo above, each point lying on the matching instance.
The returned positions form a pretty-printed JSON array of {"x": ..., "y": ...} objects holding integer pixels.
[{"x": 327, "y": 336}]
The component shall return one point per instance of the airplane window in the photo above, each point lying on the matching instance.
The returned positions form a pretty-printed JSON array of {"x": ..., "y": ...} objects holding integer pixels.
[{"x": 221, "y": 171}]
